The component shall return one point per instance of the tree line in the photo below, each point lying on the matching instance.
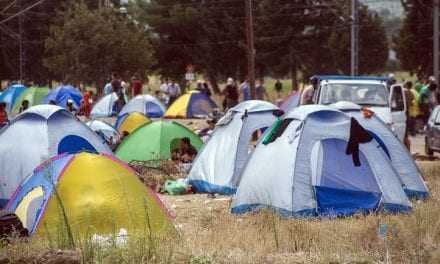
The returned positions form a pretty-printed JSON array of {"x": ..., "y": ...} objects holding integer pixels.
[{"x": 81, "y": 42}]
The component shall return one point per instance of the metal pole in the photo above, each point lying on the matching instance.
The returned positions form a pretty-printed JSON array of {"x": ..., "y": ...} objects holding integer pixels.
[
  {"x": 355, "y": 38},
  {"x": 250, "y": 46},
  {"x": 20, "y": 42},
  {"x": 436, "y": 40}
]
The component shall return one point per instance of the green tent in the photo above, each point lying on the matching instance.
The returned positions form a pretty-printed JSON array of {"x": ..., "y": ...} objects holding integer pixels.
[
  {"x": 155, "y": 141},
  {"x": 34, "y": 95}
]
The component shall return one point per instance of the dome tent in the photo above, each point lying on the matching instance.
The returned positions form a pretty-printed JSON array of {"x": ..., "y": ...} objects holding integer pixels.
[
  {"x": 401, "y": 159},
  {"x": 34, "y": 95},
  {"x": 98, "y": 194},
  {"x": 37, "y": 134},
  {"x": 131, "y": 121},
  {"x": 303, "y": 170},
  {"x": 192, "y": 104},
  {"x": 155, "y": 141},
  {"x": 105, "y": 107},
  {"x": 104, "y": 130},
  {"x": 62, "y": 94},
  {"x": 145, "y": 104},
  {"x": 10, "y": 95},
  {"x": 218, "y": 165}
]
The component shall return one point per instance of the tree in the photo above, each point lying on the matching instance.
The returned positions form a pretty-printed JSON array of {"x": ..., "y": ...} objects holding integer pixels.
[
  {"x": 90, "y": 44},
  {"x": 414, "y": 45},
  {"x": 373, "y": 45}
]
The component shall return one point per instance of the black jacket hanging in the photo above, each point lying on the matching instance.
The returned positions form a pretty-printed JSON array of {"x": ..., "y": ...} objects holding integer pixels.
[{"x": 358, "y": 135}]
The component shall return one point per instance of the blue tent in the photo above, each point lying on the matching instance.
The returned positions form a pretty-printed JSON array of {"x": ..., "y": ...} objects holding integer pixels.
[
  {"x": 62, "y": 94},
  {"x": 218, "y": 165},
  {"x": 10, "y": 95},
  {"x": 319, "y": 162}
]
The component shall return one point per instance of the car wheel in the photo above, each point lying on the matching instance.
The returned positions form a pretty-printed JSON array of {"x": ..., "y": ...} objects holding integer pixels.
[{"x": 428, "y": 150}]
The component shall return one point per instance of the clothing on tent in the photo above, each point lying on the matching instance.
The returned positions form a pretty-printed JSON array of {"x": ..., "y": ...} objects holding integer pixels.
[
  {"x": 358, "y": 135},
  {"x": 306, "y": 172}
]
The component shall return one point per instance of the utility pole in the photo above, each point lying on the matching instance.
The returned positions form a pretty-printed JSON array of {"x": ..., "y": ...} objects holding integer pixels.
[
  {"x": 354, "y": 38},
  {"x": 20, "y": 42},
  {"x": 436, "y": 40},
  {"x": 250, "y": 46}
]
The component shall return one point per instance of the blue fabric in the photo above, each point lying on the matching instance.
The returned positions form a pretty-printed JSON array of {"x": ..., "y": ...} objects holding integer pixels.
[
  {"x": 153, "y": 110},
  {"x": 246, "y": 91},
  {"x": 381, "y": 143},
  {"x": 62, "y": 94},
  {"x": 345, "y": 77},
  {"x": 3, "y": 203},
  {"x": 205, "y": 187},
  {"x": 119, "y": 120},
  {"x": 247, "y": 208},
  {"x": 75, "y": 144},
  {"x": 417, "y": 195},
  {"x": 396, "y": 208},
  {"x": 200, "y": 105},
  {"x": 108, "y": 89},
  {"x": 10, "y": 95},
  {"x": 336, "y": 202}
]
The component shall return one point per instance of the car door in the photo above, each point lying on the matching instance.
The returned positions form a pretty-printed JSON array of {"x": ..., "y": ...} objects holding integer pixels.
[
  {"x": 435, "y": 136},
  {"x": 398, "y": 110}
]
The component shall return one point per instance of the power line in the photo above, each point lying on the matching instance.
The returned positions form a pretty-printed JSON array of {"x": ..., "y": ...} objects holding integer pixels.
[{"x": 21, "y": 12}]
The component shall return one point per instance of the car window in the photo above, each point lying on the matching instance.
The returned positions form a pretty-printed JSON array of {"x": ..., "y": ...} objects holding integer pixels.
[
  {"x": 397, "y": 103},
  {"x": 361, "y": 94},
  {"x": 437, "y": 118}
]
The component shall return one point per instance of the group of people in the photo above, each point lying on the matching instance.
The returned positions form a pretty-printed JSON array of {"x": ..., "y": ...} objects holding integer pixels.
[
  {"x": 422, "y": 97},
  {"x": 231, "y": 92}
]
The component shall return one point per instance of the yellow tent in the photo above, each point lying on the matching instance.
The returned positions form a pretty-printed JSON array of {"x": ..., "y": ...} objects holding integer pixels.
[
  {"x": 87, "y": 194},
  {"x": 193, "y": 104},
  {"x": 130, "y": 122}
]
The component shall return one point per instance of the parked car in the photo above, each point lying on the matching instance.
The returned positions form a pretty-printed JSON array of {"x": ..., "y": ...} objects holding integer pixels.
[
  {"x": 432, "y": 133},
  {"x": 388, "y": 103}
]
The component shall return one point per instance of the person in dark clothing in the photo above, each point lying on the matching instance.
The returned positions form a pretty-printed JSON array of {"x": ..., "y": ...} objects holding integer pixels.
[
  {"x": 24, "y": 106},
  {"x": 278, "y": 88},
  {"x": 186, "y": 153},
  {"x": 231, "y": 94}
]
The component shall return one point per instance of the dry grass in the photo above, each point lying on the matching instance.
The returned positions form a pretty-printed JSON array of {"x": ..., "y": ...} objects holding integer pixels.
[{"x": 210, "y": 234}]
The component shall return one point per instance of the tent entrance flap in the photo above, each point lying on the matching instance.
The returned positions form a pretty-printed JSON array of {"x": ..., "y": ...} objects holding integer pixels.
[{"x": 341, "y": 187}]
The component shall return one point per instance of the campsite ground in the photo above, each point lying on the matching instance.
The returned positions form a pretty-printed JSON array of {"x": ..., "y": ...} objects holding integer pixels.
[{"x": 210, "y": 234}]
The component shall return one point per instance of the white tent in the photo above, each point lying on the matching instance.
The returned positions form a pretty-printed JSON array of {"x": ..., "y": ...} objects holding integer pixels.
[
  {"x": 109, "y": 133},
  {"x": 218, "y": 165},
  {"x": 105, "y": 107},
  {"x": 303, "y": 169},
  {"x": 36, "y": 135},
  {"x": 400, "y": 157},
  {"x": 145, "y": 104}
]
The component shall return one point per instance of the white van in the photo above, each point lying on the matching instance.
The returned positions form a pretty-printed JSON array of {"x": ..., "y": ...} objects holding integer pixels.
[{"x": 388, "y": 103}]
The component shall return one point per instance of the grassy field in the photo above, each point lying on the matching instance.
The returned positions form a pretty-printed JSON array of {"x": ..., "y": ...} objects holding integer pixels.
[{"x": 210, "y": 234}]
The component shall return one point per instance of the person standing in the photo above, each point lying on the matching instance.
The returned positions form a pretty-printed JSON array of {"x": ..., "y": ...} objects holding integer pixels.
[
  {"x": 136, "y": 86},
  {"x": 245, "y": 90},
  {"x": 260, "y": 91},
  {"x": 231, "y": 94},
  {"x": 278, "y": 88},
  {"x": 173, "y": 92},
  {"x": 413, "y": 109}
]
